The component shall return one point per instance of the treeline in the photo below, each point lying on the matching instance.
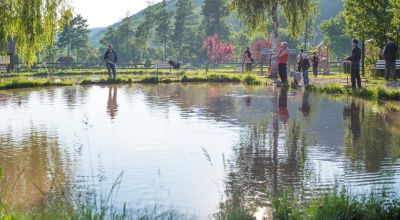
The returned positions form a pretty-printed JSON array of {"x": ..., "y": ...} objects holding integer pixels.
[
  {"x": 165, "y": 34},
  {"x": 175, "y": 30}
]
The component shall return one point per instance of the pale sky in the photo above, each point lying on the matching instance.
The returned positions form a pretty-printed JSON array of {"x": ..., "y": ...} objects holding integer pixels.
[{"x": 102, "y": 13}]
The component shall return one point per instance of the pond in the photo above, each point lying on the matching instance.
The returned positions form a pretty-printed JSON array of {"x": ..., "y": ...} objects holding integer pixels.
[{"x": 192, "y": 146}]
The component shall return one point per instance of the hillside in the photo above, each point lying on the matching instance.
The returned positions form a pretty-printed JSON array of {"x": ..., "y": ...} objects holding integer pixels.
[{"x": 329, "y": 9}]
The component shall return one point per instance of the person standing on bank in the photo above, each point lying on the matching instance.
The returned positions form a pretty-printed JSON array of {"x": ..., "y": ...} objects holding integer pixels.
[
  {"x": 111, "y": 58},
  {"x": 389, "y": 54},
  {"x": 355, "y": 64},
  {"x": 283, "y": 57},
  {"x": 247, "y": 60},
  {"x": 315, "y": 60},
  {"x": 300, "y": 59},
  {"x": 305, "y": 65}
]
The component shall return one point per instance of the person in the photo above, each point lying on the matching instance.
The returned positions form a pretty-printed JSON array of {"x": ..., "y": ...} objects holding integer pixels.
[
  {"x": 283, "y": 57},
  {"x": 355, "y": 64},
  {"x": 299, "y": 59},
  {"x": 111, "y": 58},
  {"x": 305, "y": 65},
  {"x": 315, "y": 61},
  {"x": 389, "y": 54},
  {"x": 247, "y": 59},
  {"x": 296, "y": 78}
]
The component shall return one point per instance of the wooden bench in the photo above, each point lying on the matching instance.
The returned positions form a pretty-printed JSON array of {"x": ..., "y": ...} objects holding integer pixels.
[
  {"x": 162, "y": 65},
  {"x": 380, "y": 65}
]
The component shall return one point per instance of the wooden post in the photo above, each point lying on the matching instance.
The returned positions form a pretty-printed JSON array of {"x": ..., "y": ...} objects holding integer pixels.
[{"x": 363, "y": 57}]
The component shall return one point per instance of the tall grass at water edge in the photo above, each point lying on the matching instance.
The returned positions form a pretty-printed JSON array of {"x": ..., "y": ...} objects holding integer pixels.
[{"x": 367, "y": 93}]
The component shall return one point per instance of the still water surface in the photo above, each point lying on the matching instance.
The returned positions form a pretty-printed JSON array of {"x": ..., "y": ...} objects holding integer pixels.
[{"x": 189, "y": 146}]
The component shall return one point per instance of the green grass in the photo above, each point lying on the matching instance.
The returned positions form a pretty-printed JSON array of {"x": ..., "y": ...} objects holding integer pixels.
[
  {"x": 16, "y": 83},
  {"x": 373, "y": 93},
  {"x": 338, "y": 205}
]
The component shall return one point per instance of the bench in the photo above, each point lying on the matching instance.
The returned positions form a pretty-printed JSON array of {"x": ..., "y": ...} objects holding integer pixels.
[
  {"x": 4, "y": 61},
  {"x": 380, "y": 65},
  {"x": 162, "y": 65},
  {"x": 3, "y": 68}
]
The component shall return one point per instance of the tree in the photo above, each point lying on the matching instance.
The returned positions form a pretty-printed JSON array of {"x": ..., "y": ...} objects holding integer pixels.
[
  {"x": 74, "y": 34},
  {"x": 185, "y": 24},
  {"x": 65, "y": 35},
  {"x": 258, "y": 46},
  {"x": 31, "y": 24},
  {"x": 125, "y": 38},
  {"x": 144, "y": 31},
  {"x": 163, "y": 27},
  {"x": 256, "y": 12},
  {"x": 368, "y": 20},
  {"x": 218, "y": 52},
  {"x": 395, "y": 10},
  {"x": 215, "y": 16},
  {"x": 338, "y": 42}
]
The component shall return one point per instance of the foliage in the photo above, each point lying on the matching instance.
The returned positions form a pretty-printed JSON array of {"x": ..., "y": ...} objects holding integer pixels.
[
  {"x": 375, "y": 26},
  {"x": 254, "y": 13},
  {"x": 369, "y": 93},
  {"x": 163, "y": 29},
  {"x": 185, "y": 34},
  {"x": 218, "y": 52},
  {"x": 31, "y": 24},
  {"x": 28, "y": 83},
  {"x": 338, "y": 205},
  {"x": 333, "y": 29},
  {"x": 215, "y": 18},
  {"x": 74, "y": 36},
  {"x": 258, "y": 46},
  {"x": 251, "y": 79}
]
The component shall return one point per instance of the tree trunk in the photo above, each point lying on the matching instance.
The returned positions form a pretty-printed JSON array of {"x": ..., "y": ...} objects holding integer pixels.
[{"x": 275, "y": 25}]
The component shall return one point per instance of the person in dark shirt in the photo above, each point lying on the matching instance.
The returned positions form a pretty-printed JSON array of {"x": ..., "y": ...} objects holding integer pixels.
[
  {"x": 315, "y": 61},
  {"x": 247, "y": 59},
  {"x": 305, "y": 65},
  {"x": 389, "y": 54},
  {"x": 111, "y": 58},
  {"x": 355, "y": 64}
]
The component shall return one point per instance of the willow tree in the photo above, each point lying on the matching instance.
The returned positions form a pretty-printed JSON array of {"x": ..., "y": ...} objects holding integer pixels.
[
  {"x": 257, "y": 12},
  {"x": 31, "y": 24}
]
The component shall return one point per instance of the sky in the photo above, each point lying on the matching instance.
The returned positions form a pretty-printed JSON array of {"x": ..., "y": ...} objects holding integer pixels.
[{"x": 102, "y": 13}]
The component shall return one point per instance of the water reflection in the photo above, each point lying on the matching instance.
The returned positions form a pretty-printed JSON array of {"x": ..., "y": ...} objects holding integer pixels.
[
  {"x": 33, "y": 165},
  {"x": 282, "y": 110},
  {"x": 305, "y": 106},
  {"x": 369, "y": 142},
  {"x": 112, "y": 104},
  {"x": 272, "y": 139}
]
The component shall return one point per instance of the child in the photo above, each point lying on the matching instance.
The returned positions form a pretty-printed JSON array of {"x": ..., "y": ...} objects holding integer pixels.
[
  {"x": 296, "y": 78},
  {"x": 305, "y": 65}
]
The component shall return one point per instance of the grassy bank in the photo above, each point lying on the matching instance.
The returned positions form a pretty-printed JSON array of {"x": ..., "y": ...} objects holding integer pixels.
[
  {"x": 248, "y": 79},
  {"x": 338, "y": 205},
  {"x": 332, "y": 205},
  {"x": 367, "y": 93},
  {"x": 29, "y": 83}
]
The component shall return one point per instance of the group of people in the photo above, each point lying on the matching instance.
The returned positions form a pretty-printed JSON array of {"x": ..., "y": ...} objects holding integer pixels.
[{"x": 303, "y": 63}]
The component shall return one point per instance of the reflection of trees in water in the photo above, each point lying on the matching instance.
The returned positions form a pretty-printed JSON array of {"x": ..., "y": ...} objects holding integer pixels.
[
  {"x": 33, "y": 165},
  {"x": 267, "y": 160},
  {"x": 188, "y": 98},
  {"x": 112, "y": 104},
  {"x": 369, "y": 141}
]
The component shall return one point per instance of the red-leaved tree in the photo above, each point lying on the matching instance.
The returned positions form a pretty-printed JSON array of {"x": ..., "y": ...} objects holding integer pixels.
[
  {"x": 218, "y": 52},
  {"x": 258, "y": 46}
]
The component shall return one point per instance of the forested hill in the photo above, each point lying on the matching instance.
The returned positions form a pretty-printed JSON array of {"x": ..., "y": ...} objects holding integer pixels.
[{"x": 328, "y": 9}]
